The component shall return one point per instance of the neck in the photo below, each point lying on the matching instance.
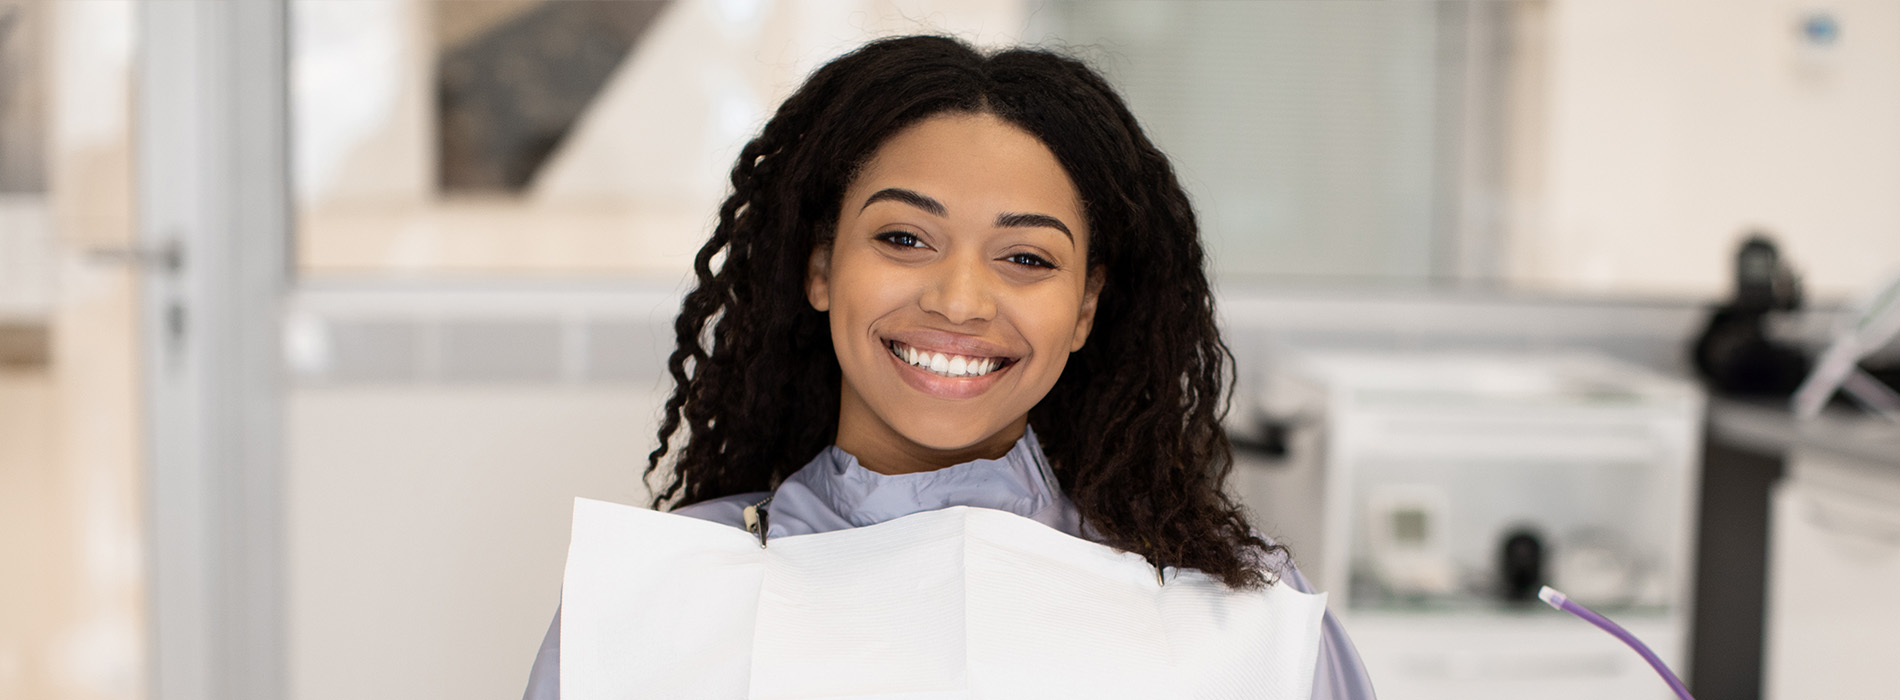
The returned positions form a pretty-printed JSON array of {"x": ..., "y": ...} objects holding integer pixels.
[{"x": 880, "y": 448}]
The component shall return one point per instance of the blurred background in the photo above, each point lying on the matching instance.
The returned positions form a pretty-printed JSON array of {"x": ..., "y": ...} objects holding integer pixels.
[{"x": 315, "y": 316}]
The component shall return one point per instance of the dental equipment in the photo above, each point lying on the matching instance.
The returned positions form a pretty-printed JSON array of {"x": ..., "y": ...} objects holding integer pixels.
[
  {"x": 1558, "y": 600},
  {"x": 1876, "y": 324}
]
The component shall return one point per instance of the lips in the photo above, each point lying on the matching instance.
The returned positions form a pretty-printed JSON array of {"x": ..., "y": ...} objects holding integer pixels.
[{"x": 948, "y": 365}]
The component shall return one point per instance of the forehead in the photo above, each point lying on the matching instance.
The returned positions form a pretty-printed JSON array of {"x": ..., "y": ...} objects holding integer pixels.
[{"x": 979, "y": 160}]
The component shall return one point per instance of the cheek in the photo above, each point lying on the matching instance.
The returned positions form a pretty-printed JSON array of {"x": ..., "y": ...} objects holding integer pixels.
[
  {"x": 863, "y": 292},
  {"x": 1048, "y": 321}
]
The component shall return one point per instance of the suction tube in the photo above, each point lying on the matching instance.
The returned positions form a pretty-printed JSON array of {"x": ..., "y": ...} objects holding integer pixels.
[{"x": 1558, "y": 600}]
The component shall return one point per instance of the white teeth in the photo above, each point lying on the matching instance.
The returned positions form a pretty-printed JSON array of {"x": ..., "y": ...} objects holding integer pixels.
[{"x": 947, "y": 365}]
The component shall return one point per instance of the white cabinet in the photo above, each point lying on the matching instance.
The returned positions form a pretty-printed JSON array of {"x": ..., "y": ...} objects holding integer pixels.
[
  {"x": 1426, "y": 465},
  {"x": 1531, "y": 653},
  {"x": 1834, "y": 562}
]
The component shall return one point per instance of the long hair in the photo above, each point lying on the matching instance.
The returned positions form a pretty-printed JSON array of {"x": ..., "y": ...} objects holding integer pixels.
[{"x": 1132, "y": 427}]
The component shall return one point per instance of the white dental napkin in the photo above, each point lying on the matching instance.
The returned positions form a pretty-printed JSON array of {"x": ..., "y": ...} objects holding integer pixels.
[{"x": 954, "y": 603}]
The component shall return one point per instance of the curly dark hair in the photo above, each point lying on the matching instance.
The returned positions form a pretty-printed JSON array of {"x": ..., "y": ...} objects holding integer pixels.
[{"x": 1132, "y": 427}]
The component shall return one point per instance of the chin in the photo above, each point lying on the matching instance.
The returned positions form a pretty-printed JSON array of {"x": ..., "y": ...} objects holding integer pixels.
[{"x": 946, "y": 433}]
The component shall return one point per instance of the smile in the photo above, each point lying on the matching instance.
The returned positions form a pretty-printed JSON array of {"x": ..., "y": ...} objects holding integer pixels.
[{"x": 944, "y": 365}]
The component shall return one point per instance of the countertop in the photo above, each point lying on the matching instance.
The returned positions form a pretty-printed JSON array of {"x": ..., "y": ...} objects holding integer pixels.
[{"x": 1773, "y": 429}]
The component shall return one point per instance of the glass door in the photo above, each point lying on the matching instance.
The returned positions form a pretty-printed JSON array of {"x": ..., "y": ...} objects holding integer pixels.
[
  {"x": 73, "y": 595},
  {"x": 143, "y": 230}
]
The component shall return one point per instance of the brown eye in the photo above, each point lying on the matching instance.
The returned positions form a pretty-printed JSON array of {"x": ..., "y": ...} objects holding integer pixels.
[
  {"x": 1031, "y": 260},
  {"x": 900, "y": 239}
]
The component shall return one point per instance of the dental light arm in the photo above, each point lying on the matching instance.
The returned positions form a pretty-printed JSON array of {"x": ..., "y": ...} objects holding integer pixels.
[
  {"x": 1876, "y": 325},
  {"x": 1558, "y": 600}
]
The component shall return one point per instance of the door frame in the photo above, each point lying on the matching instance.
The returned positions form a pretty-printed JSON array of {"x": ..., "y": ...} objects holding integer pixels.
[{"x": 213, "y": 219}]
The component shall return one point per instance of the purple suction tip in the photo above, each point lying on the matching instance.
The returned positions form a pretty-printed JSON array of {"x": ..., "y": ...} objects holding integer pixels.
[{"x": 1558, "y": 600}]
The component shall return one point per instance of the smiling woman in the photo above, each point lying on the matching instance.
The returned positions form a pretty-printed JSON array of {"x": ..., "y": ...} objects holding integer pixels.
[
  {"x": 946, "y": 279},
  {"x": 955, "y": 292}
]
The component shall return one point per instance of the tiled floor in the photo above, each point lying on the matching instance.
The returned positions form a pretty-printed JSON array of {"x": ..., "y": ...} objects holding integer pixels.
[
  {"x": 33, "y": 563},
  {"x": 69, "y": 596},
  {"x": 71, "y": 561}
]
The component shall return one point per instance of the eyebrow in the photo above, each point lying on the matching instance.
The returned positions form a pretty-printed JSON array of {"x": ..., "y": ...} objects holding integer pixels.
[
  {"x": 913, "y": 198},
  {"x": 928, "y": 204},
  {"x": 1033, "y": 221}
]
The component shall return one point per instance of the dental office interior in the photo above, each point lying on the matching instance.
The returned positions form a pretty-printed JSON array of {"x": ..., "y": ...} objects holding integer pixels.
[{"x": 317, "y": 315}]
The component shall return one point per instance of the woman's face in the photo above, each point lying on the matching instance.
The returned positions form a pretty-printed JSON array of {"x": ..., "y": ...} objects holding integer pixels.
[{"x": 957, "y": 285}]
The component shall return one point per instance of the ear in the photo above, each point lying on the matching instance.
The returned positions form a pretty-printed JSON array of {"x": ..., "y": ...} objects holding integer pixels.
[
  {"x": 1091, "y": 293},
  {"x": 818, "y": 278}
]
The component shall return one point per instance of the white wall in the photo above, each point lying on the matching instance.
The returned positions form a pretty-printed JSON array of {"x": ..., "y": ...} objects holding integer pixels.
[
  {"x": 1673, "y": 127},
  {"x": 428, "y": 528}
]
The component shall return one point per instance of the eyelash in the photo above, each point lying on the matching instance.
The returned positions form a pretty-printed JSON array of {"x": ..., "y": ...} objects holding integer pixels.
[
  {"x": 910, "y": 240},
  {"x": 1031, "y": 260},
  {"x": 904, "y": 239}
]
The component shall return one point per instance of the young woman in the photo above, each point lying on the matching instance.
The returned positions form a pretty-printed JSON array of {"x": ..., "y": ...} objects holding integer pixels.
[{"x": 945, "y": 278}]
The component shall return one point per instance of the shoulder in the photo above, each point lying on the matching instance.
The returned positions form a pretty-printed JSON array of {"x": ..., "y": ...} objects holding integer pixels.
[{"x": 727, "y": 510}]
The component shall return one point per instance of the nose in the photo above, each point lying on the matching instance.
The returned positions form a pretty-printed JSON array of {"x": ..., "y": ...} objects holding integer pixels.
[{"x": 961, "y": 290}]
